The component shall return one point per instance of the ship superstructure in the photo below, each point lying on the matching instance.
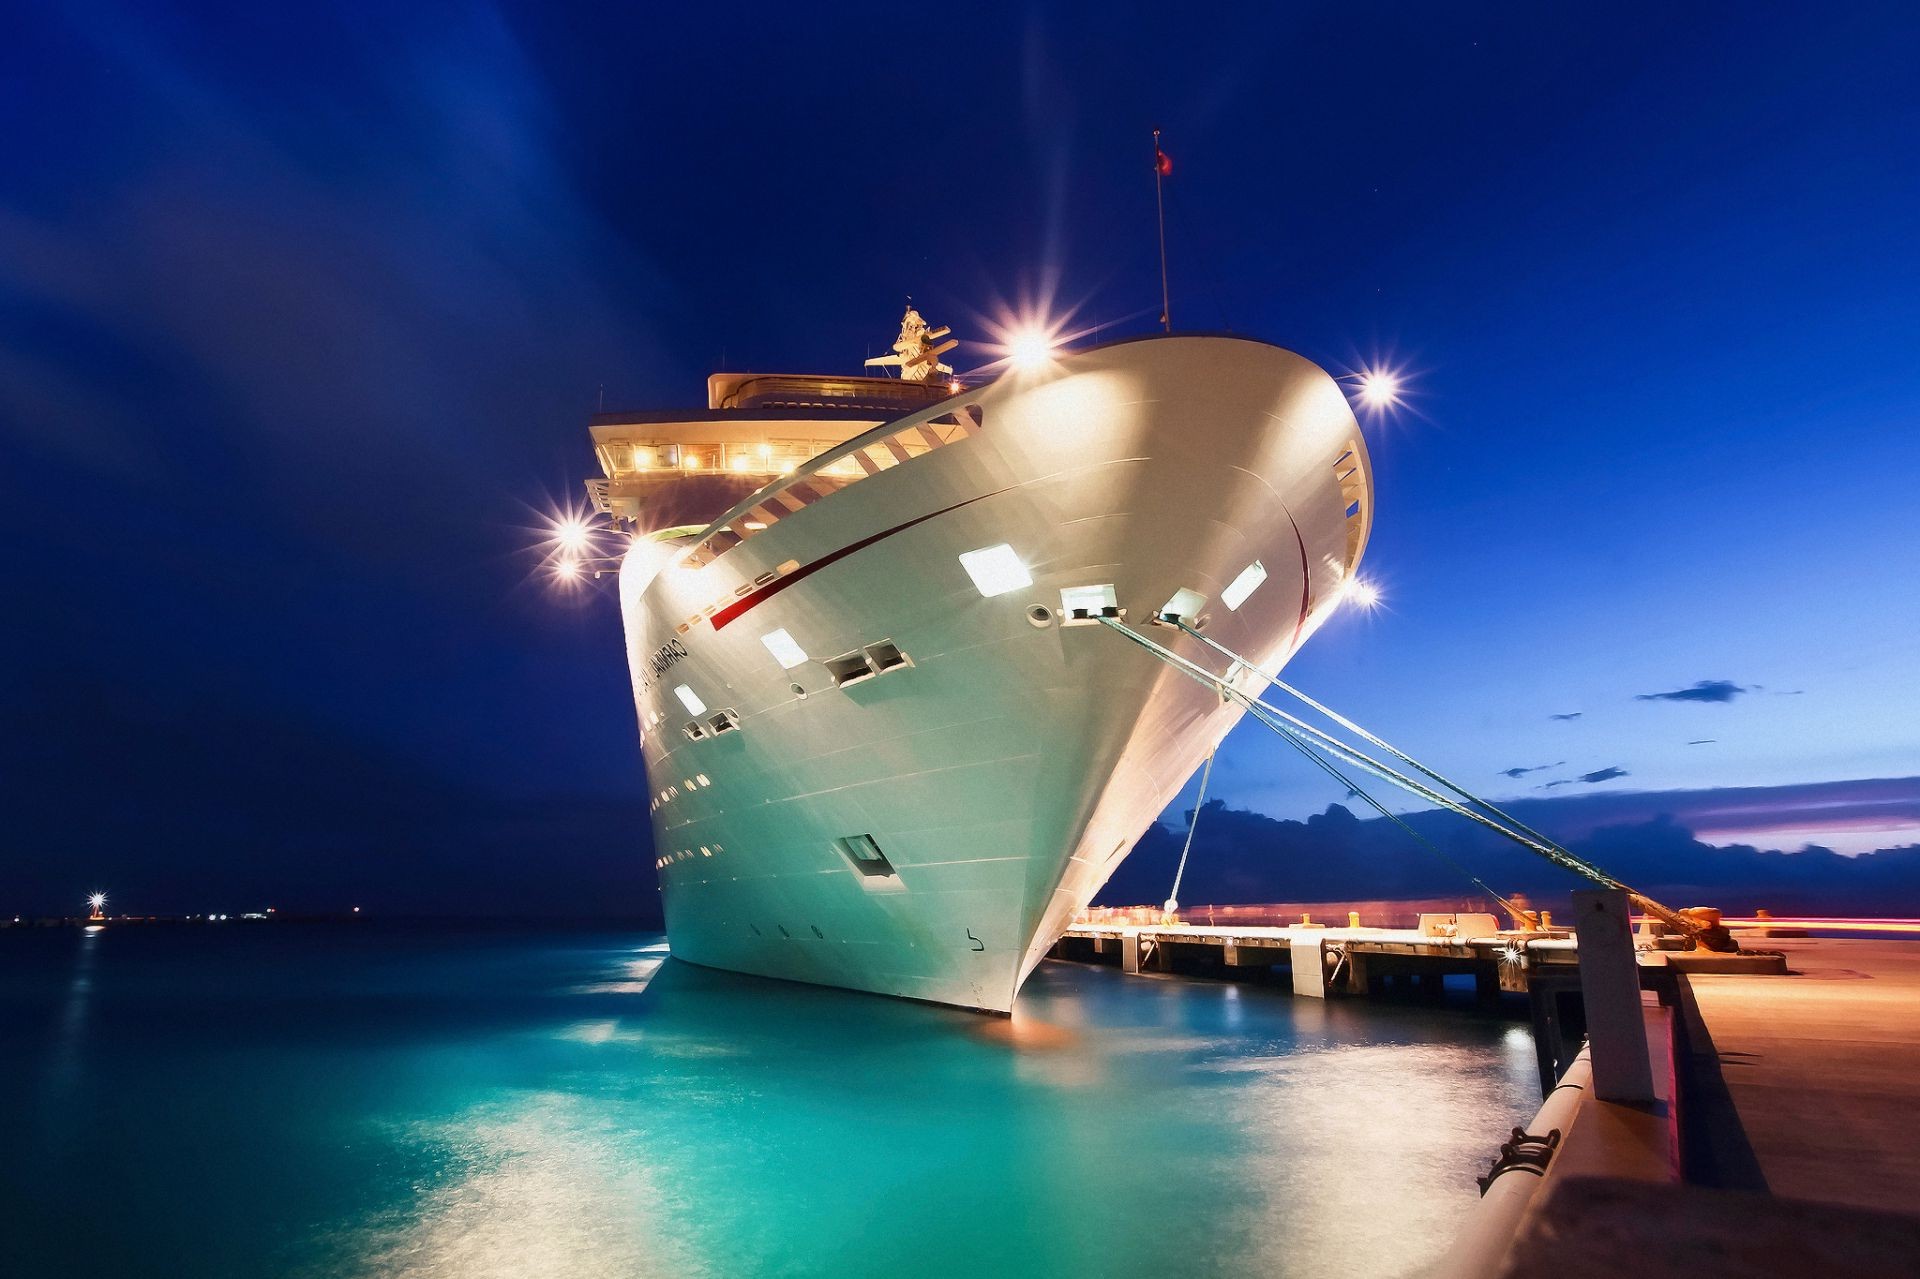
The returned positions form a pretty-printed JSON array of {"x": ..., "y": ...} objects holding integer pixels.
[{"x": 889, "y": 743}]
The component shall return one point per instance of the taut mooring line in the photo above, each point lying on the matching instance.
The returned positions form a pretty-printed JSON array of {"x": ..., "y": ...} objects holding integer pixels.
[
  {"x": 1386, "y": 746},
  {"x": 1302, "y": 733}
]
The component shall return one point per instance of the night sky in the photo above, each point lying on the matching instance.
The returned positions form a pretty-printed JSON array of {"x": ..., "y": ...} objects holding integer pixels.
[{"x": 301, "y": 318}]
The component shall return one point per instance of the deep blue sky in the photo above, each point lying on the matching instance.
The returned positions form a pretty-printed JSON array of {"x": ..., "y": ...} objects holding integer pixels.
[{"x": 301, "y": 316}]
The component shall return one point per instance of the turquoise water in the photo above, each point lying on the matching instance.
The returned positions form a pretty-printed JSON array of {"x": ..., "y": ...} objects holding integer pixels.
[{"x": 322, "y": 1101}]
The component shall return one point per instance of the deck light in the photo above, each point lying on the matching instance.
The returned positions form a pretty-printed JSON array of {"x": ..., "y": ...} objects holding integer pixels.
[
  {"x": 690, "y": 700},
  {"x": 1029, "y": 349},
  {"x": 1379, "y": 388},
  {"x": 995, "y": 570},
  {"x": 568, "y": 569},
  {"x": 571, "y": 534},
  {"x": 1244, "y": 585},
  {"x": 784, "y": 649}
]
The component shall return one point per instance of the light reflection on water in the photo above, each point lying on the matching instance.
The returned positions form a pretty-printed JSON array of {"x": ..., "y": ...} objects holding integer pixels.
[{"x": 478, "y": 1103}]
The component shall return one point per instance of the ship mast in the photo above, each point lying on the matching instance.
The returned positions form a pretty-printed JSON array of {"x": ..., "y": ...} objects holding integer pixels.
[{"x": 918, "y": 350}]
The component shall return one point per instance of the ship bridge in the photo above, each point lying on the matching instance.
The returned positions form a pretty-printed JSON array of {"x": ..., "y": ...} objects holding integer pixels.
[{"x": 756, "y": 426}]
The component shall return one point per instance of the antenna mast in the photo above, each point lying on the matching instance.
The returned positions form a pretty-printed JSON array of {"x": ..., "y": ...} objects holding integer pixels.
[{"x": 1162, "y": 166}]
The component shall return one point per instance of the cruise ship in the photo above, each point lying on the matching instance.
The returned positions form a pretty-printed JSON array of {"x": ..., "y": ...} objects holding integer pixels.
[{"x": 891, "y": 743}]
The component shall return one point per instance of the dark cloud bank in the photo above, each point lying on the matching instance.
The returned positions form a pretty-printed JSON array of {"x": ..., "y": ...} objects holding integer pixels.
[{"x": 1334, "y": 856}]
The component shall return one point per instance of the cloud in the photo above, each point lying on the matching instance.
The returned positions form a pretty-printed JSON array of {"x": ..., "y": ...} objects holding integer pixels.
[
  {"x": 1574, "y": 715},
  {"x": 1517, "y": 773},
  {"x": 1598, "y": 775},
  {"x": 1706, "y": 690},
  {"x": 1703, "y": 741}
]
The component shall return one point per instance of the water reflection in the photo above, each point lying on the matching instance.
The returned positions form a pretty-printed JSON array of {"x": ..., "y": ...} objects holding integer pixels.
[
  {"x": 733, "y": 1125},
  {"x": 489, "y": 1103},
  {"x": 63, "y": 1060}
]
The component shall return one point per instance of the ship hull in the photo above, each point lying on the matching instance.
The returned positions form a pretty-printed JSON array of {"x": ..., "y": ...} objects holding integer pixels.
[{"x": 1002, "y": 765}]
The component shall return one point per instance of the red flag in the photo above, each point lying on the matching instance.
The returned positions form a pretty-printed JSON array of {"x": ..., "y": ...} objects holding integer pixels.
[{"x": 1162, "y": 162}]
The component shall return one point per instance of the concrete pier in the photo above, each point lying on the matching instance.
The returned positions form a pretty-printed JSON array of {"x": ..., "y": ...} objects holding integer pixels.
[
  {"x": 1807, "y": 1088},
  {"x": 1322, "y": 961},
  {"x": 1777, "y": 1141}
]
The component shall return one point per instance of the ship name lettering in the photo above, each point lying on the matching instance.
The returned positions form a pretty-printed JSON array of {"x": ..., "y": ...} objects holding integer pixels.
[{"x": 666, "y": 655}]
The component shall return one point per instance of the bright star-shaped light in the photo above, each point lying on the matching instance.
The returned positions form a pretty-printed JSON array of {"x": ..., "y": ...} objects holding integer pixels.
[
  {"x": 1380, "y": 389},
  {"x": 1029, "y": 348},
  {"x": 571, "y": 534},
  {"x": 1360, "y": 592},
  {"x": 567, "y": 569},
  {"x": 97, "y": 900}
]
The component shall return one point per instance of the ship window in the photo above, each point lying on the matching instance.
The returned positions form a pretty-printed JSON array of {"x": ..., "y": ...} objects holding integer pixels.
[
  {"x": 849, "y": 668},
  {"x": 785, "y": 651},
  {"x": 695, "y": 730},
  {"x": 995, "y": 570},
  {"x": 865, "y": 854},
  {"x": 724, "y": 722},
  {"x": 886, "y": 656},
  {"x": 1244, "y": 585},
  {"x": 690, "y": 700},
  {"x": 1087, "y": 603},
  {"x": 1185, "y": 606}
]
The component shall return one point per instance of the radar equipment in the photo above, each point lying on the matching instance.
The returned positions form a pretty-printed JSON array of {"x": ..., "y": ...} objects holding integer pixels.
[{"x": 918, "y": 350}]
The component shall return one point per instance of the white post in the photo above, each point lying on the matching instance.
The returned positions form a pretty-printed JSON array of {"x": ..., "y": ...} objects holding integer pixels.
[
  {"x": 1610, "y": 988},
  {"x": 1309, "y": 966}
]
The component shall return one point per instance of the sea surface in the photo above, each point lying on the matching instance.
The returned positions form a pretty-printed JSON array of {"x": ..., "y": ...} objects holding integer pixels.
[{"x": 331, "y": 1100}]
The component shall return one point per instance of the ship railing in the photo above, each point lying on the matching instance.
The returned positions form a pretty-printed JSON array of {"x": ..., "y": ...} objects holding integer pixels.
[{"x": 886, "y": 446}]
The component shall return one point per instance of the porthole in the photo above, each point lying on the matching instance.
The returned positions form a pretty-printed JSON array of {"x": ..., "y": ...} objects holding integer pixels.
[
  {"x": 798, "y": 692},
  {"x": 1040, "y": 615}
]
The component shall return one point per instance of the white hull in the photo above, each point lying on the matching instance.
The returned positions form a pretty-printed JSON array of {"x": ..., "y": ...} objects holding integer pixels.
[{"x": 1006, "y": 771}]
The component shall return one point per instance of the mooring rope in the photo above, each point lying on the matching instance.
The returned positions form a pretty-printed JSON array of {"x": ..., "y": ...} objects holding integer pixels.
[
  {"x": 1386, "y": 746},
  {"x": 1173, "y": 897},
  {"x": 1304, "y": 734},
  {"x": 1535, "y": 841},
  {"x": 1281, "y": 722}
]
